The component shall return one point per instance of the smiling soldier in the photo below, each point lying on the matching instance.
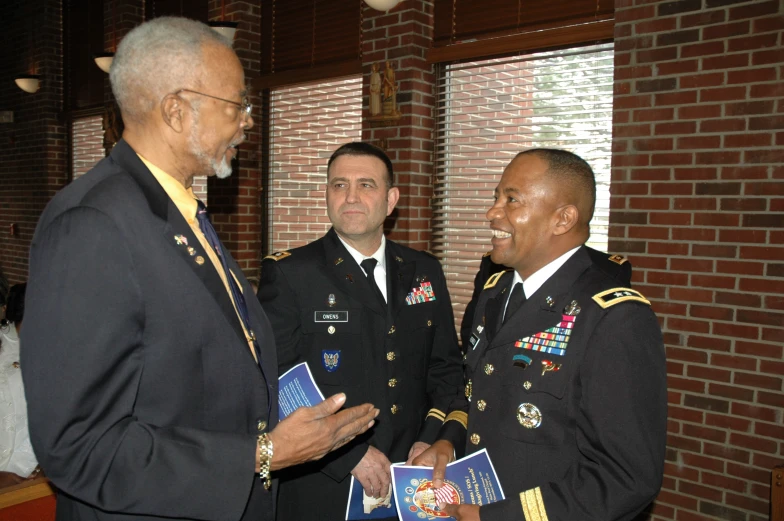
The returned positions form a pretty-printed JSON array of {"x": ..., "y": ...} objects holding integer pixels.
[
  {"x": 565, "y": 369},
  {"x": 373, "y": 319}
]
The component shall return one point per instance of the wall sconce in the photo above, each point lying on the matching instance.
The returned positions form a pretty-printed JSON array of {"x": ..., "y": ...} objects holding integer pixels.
[
  {"x": 104, "y": 60},
  {"x": 28, "y": 83},
  {"x": 225, "y": 29},
  {"x": 382, "y": 5}
]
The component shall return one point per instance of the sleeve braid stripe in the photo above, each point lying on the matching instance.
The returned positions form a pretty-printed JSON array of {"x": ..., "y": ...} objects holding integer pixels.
[
  {"x": 533, "y": 505},
  {"x": 458, "y": 416},
  {"x": 435, "y": 413}
]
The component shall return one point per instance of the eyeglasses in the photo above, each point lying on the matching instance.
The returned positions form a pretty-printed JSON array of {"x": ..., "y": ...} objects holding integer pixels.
[{"x": 245, "y": 107}]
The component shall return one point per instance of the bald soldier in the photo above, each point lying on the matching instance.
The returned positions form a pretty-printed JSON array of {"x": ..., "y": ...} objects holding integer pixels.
[{"x": 565, "y": 368}]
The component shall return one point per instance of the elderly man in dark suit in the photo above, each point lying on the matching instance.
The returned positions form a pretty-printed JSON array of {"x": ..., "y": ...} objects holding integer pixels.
[
  {"x": 151, "y": 379},
  {"x": 565, "y": 368},
  {"x": 373, "y": 319}
]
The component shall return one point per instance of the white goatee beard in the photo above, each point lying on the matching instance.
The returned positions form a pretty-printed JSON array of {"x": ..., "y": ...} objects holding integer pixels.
[{"x": 221, "y": 169}]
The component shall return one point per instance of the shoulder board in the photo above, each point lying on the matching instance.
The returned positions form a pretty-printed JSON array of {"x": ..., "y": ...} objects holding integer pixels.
[
  {"x": 493, "y": 279},
  {"x": 278, "y": 255},
  {"x": 618, "y": 259},
  {"x": 486, "y": 254},
  {"x": 615, "y": 296}
]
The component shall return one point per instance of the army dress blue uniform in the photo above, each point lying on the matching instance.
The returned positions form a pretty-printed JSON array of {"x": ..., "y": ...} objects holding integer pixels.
[
  {"x": 402, "y": 357},
  {"x": 568, "y": 396}
]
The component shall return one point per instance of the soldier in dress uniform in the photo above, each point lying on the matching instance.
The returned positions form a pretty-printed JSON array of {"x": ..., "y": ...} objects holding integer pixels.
[
  {"x": 373, "y": 319},
  {"x": 616, "y": 266},
  {"x": 565, "y": 367}
]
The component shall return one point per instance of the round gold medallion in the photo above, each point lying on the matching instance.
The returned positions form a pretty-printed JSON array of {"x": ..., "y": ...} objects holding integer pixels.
[
  {"x": 475, "y": 439},
  {"x": 529, "y": 416}
]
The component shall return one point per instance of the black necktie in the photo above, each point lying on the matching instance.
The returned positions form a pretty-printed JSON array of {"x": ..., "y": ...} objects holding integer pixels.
[
  {"x": 516, "y": 300},
  {"x": 369, "y": 265}
]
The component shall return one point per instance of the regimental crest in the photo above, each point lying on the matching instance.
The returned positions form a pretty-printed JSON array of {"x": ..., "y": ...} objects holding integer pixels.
[
  {"x": 552, "y": 340},
  {"x": 278, "y": 255},
  {"x": 424, "y": 293},
  {"x": 330, "y": 360}
]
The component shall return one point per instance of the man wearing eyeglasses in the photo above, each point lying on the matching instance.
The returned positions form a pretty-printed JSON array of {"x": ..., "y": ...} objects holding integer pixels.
[{"x": 151, "y": 379}]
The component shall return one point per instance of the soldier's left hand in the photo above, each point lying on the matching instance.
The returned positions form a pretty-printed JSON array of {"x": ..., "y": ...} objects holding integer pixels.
[
  {"x": 461, "y": 512},
  {"x": 416, "y": 449}
]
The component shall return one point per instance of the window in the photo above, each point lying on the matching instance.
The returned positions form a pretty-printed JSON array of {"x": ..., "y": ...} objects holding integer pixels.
[
  {"x": 492, "y": 109},
  {"x": 86, "y": 144},
  {"x": 307, "y": 123}
]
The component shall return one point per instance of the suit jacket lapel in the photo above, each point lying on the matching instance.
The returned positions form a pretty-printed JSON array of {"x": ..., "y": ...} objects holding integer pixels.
[
  {"x": 176, "y": 226},
  {"x": 400, "y": 278},
  {"x": 347, "y": 275}
]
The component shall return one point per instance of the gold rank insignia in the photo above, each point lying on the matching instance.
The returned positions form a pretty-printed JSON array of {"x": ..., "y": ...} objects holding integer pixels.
[
  {"x": 617, "y": 259},
  {"x": 494, "y": 278},
  {"x": 278, "y": 255},
  {"x": 487, "y": 254},
  {"x": 615, "y": 296},
  {"x": 533, "y": 505}
]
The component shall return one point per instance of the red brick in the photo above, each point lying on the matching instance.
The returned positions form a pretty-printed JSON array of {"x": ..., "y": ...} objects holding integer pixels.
[
  {"x": 728, "y": 61},
  {"x": 716, "y": 219},
  {"x": 766, "y": 188},
  {"x": 772, "y": 399},
  {"x": 711, "y": 312},
  {"x": 677, "y": 127},
  {"x": 758, "y": 381},
  {"x": 753, "y": 412},
  {"x": 708, "y": 373},
  {"x": 752, "y": 75},
  {"x": 723, "y": 482},
  {"x": 685, "y": 384},
  {"x": 755, "y": 252},
  {"x": 695, "y": 173},
  {"x": 758, "y": 349},
  {"x": 687, "y": 355},
  {"x": 767, "y": 90},
  {"x": 678, "y": 500},
  {"x": 730, "y": 391},
  {"x": 698, "y": 50},
  {"x": 691, "y": 294},
  {"x": 753, "y": 442},
  {"x": 723, "y": 125},
  {"x": 695, "y": 460},
  {"x": 735, "y": 330},
  {"x": 717, "y": 157},
  {"x": 700, "y": 491},
  {"x": 698, "y": 142},
  {"x": 740, "y": 268},
  {"x": 679, "y": 442},
  {"x": 747, "y": 140},
  {"x": 723, "y": 31},
  {"x": 707, "y": 250},
  {"x": 667, "y": 278},
  {"x": 748, "y": 473},
  {"x": 743, "y": 236}
]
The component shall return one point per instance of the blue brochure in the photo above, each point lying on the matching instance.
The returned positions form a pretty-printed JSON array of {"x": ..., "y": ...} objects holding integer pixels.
[
  {"x": 297, "y": 389},
  {"x": 361, "y": 506},
  {"x": 470, "y": 480}
]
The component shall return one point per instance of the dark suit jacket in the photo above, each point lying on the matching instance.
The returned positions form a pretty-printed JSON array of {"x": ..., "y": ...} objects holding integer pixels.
[
  {"x": 616, "y": 266},
  {"x": 402, "y": 358},
  {"x": 597, "y": 452},
  {"x": 144, "y": 398}
]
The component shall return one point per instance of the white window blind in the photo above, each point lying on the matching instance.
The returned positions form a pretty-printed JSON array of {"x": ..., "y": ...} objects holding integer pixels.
[
  {"x": 307, "y": 123},
  {"x": 490, "y": 110}
]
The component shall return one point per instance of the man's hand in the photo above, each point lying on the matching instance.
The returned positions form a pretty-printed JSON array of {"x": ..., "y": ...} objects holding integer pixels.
[
  {"x": 311, "y": 432},
  {"x": 461, "y": 512},
  {"x": 437, "y": 456},
  {"x": 373, "y": 473},
  {"x": 416, "y": 449},
  {"x": 9, "y": 479}
]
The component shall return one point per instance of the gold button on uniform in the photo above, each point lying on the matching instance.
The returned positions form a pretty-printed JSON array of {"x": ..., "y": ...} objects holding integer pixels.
[
  {"x": 527, "y": 385},
  {"x": 391, "y": 356},
  {"x": 429, "y": 323},
  {"x": 391, "y": 330},
  {"x": 261, "y": 425},
  {"x": 392, "y": 382},
  {"x": 475, "y": 439},
  {"x": 481, "y": 404},
  {"x": 393, "y": 409},
  {"x": 489, "y": 369}
]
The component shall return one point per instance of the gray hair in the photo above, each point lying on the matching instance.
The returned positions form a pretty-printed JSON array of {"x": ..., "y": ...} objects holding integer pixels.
[{"x": 155, "y": 59}]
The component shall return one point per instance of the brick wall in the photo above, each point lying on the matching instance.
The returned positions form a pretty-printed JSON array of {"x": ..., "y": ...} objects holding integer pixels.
[
  {"x": 32, "y": 148},
  {"x": 402, "y": 36},
  {"x": 235, "y": 203},
  {"x": 698, "y": 205}
]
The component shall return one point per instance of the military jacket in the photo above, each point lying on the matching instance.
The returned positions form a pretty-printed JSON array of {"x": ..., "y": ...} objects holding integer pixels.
[
  {"x": 402, "y": 357},
  {"x": 568, "y": 396}
]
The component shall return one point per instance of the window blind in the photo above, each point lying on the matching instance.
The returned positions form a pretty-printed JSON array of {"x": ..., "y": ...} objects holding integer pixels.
[
  {"x": 490, "y": 110},
  {"x": 307, "y": 123}
]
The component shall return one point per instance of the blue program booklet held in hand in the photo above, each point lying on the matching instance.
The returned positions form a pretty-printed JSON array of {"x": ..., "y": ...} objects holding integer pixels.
[
  {"x": 297, "y": 388},
  {"x": 471, "y": 480}
]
